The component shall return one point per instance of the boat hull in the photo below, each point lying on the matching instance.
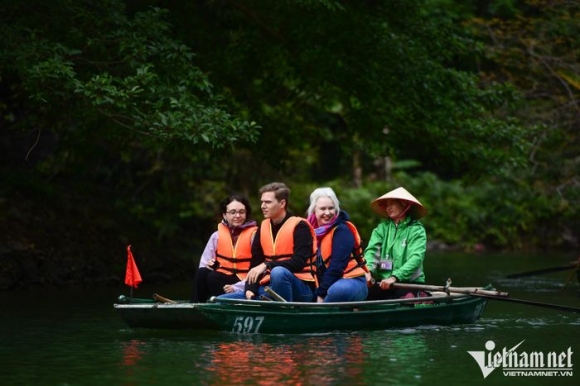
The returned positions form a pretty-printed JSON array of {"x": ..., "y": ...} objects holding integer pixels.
[{"x": 296, "y": 318}]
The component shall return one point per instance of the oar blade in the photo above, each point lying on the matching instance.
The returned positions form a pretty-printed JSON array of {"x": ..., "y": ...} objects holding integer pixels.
[
  {"x": 530, "y": 303},
  {"x": 540, "y": 271}
]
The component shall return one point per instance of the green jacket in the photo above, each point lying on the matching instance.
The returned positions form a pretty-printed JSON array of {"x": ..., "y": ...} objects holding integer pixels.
[{"x": 404, "y": 245}]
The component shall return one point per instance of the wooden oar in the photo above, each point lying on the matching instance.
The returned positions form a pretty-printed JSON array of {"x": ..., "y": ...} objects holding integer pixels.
[
  {"x": 530, "y": 303},
  {"x": 478, "y": 292},
  {"x": 460, "y": 290},
  {"x": 274, "y": 294},
  {"x": 162, "y": 299},
  {"x": 541, "y": 271},
  {"x": 575, "y": 272}
]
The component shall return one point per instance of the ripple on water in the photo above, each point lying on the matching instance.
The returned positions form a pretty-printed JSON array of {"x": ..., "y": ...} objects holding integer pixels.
[{"x": 534, "y": 321}]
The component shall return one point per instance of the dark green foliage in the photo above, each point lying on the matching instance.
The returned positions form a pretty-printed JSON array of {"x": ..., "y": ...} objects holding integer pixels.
[
  {"x": 168, "y": 106},
  {"x": 85, "y": 63}
]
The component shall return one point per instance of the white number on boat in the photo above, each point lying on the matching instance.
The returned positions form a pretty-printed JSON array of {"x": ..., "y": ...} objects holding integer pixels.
[{"x": 247, "y": 324}]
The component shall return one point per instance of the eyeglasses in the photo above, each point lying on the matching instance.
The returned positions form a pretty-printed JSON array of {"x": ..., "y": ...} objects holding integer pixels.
[{"x": 241, "y": 212}]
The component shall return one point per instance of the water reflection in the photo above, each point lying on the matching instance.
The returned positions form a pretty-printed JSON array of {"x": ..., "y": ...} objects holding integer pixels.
[
  {"x": 132, "y": 352},
  {"x": 305, "y": 359},
  {"x": 359, "y": 358}
]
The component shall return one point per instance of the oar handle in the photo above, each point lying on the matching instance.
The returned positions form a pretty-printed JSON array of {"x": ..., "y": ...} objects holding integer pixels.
[
  {"x": 460, "y": 290},
  {"x": 162, "y": 299}
]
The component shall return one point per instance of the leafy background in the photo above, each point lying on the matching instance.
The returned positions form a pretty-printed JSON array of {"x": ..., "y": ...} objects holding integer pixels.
[{"x": 126, "y": 122}]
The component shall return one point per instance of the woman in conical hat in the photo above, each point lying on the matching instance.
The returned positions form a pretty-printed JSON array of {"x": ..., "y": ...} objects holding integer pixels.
[
  {"x": 397, "y": 246},
  {"x": 410, "y": 203}
]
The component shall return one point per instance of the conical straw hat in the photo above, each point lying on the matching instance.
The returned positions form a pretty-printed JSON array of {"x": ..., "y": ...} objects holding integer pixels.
[{"x": 416, "y": 211}]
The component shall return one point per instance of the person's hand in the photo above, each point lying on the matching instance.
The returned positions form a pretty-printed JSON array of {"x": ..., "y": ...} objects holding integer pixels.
[
  {"x": 319, "y": 299},
  {"x": 249, "y": 295},
  {"x": 386, "y": 283},
  {"x": 255, "y": 273},
  {"x": 228, "y": 288},
  {"x": 210, "y": 264},
  {"x": 370, "y": 280}
]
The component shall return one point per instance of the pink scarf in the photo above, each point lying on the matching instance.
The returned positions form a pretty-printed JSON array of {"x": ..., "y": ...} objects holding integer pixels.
[{"x": 321, "y": 231}]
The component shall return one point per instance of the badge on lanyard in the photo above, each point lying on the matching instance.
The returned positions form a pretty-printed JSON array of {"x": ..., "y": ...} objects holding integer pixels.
[{"x": 386, "y": 265}]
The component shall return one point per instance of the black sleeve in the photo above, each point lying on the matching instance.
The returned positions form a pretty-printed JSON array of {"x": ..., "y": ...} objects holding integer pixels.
[
  {"x": 257, "y": 251},
  {"x": 257, "y": 259}
]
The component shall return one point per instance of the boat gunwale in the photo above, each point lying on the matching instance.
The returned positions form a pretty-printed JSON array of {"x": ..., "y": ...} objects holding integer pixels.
[
  {"x": 273, "y": 304},
  {"x": 332, "y": 312},
  {"x": 156, "y": 305},
  {"x": 363, "y": 303}
]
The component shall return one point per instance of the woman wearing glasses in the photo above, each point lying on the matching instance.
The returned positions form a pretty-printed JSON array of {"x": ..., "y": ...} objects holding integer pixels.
[{"x": 225, "y": 261}]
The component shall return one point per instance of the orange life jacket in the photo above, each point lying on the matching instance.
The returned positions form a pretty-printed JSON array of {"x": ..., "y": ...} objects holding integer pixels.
[
  {"x": 282, "y": 247},
  {"x": 356, "y": 265},
  {"x": 234, "y": 260}
]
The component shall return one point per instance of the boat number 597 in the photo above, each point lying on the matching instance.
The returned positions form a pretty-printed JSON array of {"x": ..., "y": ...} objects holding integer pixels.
[{"x": 247, "y": 324}]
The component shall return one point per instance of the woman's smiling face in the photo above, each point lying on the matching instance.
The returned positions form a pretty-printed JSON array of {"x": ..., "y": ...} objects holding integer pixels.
[{"x": 324, "y": 211}]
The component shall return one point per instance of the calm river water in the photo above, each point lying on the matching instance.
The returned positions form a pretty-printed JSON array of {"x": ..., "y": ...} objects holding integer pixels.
[{"x": 74, "y": 337}]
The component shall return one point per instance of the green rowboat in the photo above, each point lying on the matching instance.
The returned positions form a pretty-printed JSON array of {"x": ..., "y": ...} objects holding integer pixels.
[{"x": 272, "y": 317}]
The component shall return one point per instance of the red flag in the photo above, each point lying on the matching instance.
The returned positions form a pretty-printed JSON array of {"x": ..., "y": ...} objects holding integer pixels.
[{"x": 132, "y": 275}]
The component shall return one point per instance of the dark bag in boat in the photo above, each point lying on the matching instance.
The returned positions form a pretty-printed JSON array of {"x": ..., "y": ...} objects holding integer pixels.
[{"x": 417, "y": 294}]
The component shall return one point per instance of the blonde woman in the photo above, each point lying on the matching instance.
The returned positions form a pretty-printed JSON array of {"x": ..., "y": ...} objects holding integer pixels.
[{"x": 340, "y": 267}]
